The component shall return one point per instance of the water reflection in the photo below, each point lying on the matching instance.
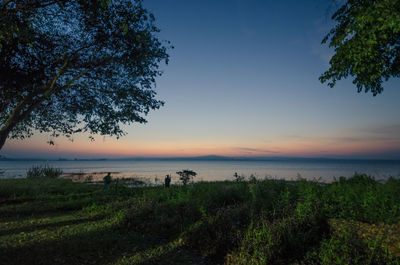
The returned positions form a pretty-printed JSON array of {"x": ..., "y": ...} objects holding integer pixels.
[{"x": 211, "y": 170}]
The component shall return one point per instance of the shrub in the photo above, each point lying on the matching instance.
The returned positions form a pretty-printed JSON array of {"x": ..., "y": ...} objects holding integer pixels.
[
  {"x": 385, "y": 236},
  {"x": 309, "y": 198},
  {"x": 45, "y": 171},
  {"x": 217, "y": 234},
  {"x": 364, "y": 199},
  {"x": 238, "y": 178},
  {"x": 272, "y": 197},
  {"x": 282, "y": 241},
  {"x": 186, "y": 175},
  {"x": 161, "y": 218},
  {"x": 252, "y": 178},
  {"x": 345, "y": 246},
  {"x": 217, "y": 195}
]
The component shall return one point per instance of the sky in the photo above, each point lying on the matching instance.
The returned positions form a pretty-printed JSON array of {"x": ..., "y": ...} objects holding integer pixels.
[{"x": 243, "y": 81}]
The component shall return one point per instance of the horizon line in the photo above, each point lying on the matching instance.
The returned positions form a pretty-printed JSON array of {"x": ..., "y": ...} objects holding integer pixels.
[{"x": 205, "y": 157}]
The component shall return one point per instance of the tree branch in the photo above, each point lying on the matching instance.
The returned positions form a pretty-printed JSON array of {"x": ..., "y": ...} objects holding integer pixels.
[
  {"x": 35, "y": 6},
  {"x": 60, "y": 71},
  {"x": 6, "y": 2},
  {"x": 19, "y": 114}
]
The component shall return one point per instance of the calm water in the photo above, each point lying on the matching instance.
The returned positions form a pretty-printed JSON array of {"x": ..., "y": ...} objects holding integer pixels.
[{"x": 214, "y": 170}]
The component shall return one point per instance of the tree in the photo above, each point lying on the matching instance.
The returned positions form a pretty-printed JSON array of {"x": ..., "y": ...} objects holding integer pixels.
[
  {"x": 186, "y": 175},
  {"x": 70, "y": 66},
  {"x": 366, "y": 40}
]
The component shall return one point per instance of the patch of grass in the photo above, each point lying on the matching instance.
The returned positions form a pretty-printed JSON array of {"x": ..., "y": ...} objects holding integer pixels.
[
  {"x": 57, "y": 221},
  {"x": 387, "y": 236},
  {"x": 362, "y": 198},
  {"x": 44, "y": 171},
  {"x": 282, "y": 241},
  {"x": 348, "y": 244}
]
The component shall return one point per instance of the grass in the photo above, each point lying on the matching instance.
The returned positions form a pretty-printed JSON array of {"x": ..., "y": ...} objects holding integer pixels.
[
  {"x": 47, "y": 220},
  {"x": 44, "y": 171}
]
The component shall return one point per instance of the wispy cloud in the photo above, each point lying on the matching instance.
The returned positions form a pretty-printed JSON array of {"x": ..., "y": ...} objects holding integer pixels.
[
  {"x": 384, "y": 133},
  {"x": 258, "y": 151},
  {"x": 389, "y": 130}
]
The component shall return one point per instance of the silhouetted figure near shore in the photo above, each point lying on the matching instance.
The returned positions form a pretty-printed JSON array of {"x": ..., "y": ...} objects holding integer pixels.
[
  {"x": 107, "y": 181},
  {"x": 167, "y": 181}
]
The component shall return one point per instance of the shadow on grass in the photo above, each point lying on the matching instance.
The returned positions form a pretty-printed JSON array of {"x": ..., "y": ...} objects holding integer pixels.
[
  {"x": 99, "y": 246},
  {"x": 37, "y": 210},
  {"x": 172, "y": 256},
  {"x": 46, "y": 206},
  {"x": 107, "y": 244},
  {"x": 7, "y": 202},
  {"x": 30, "y": 228},
  {"x": 25, "y": 217}
]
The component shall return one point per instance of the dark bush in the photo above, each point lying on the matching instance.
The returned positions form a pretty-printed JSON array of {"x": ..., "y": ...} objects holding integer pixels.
[{"x": 217, "y": 234}]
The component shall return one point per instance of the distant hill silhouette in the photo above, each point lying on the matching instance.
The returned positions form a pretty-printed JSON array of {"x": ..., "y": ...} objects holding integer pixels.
[{"x": 212, "y": 158}]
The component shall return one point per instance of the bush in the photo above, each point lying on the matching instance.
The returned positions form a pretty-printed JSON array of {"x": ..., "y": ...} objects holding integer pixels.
[
  {"x": 362, "y": 198},
  {"x": 161, "y": 218},
  {"x": 218, "y": 195},
  {"x": 281, "y": 241},
  {"x": 309, "y": 198},
  {"x": 186, "y": 175},
  {"x": 217, "y": 234},
  {"x": 345, "y": 246},
  {"x": 45, "y": 171},
  {"x": 238, "y": 178}
]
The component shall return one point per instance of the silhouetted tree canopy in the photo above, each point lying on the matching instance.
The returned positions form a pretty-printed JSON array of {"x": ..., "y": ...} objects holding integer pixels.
[
  {"x": 69, "y": 66},
  {"x": 366, "y": 39},
  {"x": 185, "y": 175}
]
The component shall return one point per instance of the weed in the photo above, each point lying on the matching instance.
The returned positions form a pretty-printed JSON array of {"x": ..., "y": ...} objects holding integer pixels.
[{"x": 44, "y": 171}]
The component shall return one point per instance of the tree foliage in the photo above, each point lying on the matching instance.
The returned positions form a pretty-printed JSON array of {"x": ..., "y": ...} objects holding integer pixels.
[
  {"x": 69, "y": 66},
  {"x": 366, "y": 39},
  {"x": 185, "y": 175}
]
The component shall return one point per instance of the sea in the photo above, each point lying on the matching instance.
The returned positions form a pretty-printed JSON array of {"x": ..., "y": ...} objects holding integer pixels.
[{"x": 154, "y": 170}]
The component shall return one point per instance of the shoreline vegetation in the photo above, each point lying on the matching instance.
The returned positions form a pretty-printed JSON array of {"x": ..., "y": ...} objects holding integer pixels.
[{"x": 45, "y": 219}]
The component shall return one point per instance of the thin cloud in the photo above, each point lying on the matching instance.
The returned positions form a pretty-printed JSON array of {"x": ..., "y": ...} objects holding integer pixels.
[
  {"x": 393, "y": 130},
  {"x": 386, "y": 133},
  {"x": 256, "y": 150}
]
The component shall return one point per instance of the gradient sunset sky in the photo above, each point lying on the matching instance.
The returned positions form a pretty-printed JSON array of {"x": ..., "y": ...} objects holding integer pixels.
[{"x": 243, "y": 81}]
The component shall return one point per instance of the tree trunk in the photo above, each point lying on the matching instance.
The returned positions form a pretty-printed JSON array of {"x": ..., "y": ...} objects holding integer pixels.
[
  {"x": 21, "y": 112},
  {"x": 3, "y": 136}
]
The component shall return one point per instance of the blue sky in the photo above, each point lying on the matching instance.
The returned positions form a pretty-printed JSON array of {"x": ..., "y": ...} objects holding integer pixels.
[{"x": 243, "y": 80}]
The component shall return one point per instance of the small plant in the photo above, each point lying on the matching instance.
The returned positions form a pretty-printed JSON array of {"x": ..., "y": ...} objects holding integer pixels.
[
  {"x": 44, "y": 171},
  {"x": 238, "y": 178},
  {"x": 186, "y": 175},
  {"x": 253, "y": 178}
]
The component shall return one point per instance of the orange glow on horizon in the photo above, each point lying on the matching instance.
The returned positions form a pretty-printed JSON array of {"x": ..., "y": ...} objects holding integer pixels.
[{"x": 125, "y": 148}]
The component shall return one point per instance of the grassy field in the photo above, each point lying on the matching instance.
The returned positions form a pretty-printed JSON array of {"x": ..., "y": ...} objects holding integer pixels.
[{"x": 55, "y": 221}]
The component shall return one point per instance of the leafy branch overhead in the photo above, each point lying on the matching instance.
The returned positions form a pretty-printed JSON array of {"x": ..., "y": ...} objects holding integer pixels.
[
  {"x": 366, "y": 40},
  {"x": 69, "y": 66}
]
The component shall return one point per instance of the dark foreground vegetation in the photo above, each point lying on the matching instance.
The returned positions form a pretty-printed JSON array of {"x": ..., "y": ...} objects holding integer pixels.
[{"x": 55, "y": 221}]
